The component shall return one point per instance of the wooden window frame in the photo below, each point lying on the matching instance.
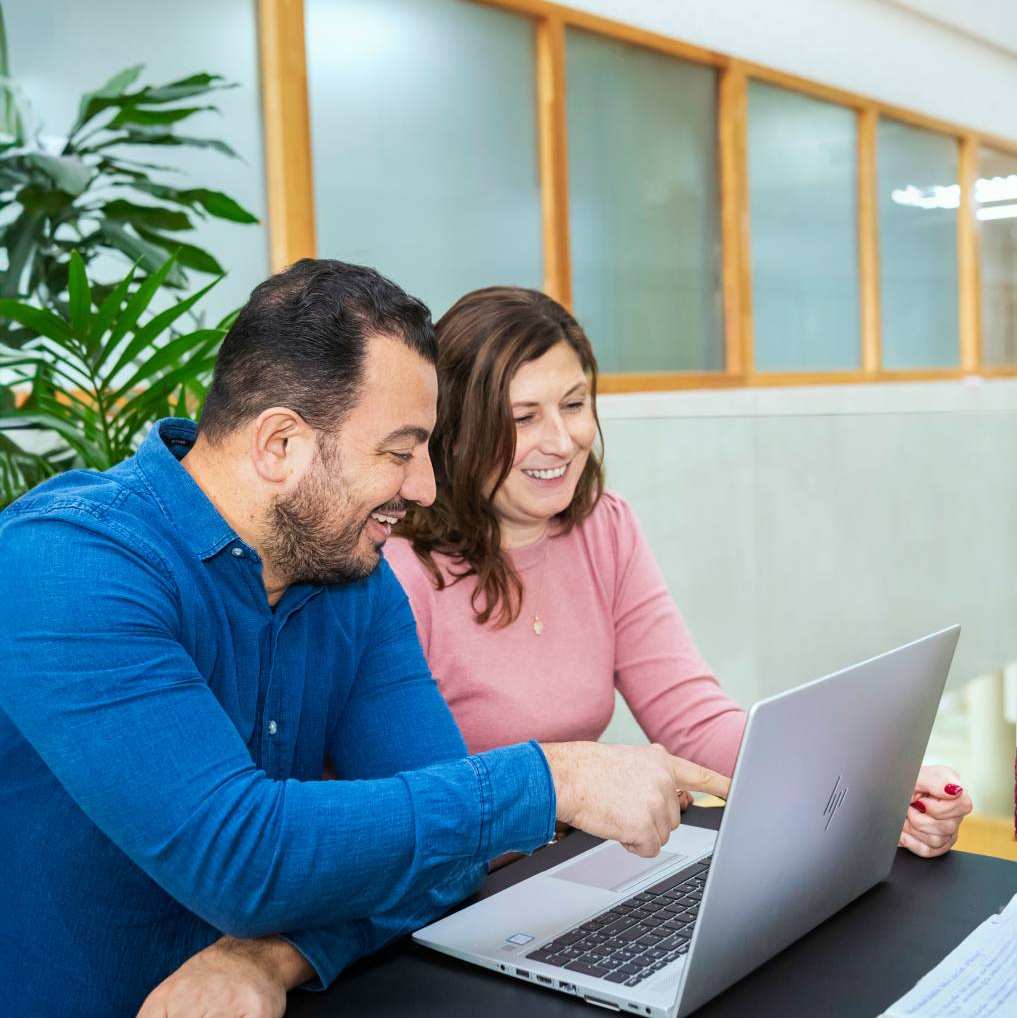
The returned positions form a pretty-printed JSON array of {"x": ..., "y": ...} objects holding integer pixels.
[{"x": 291, "y": 215}]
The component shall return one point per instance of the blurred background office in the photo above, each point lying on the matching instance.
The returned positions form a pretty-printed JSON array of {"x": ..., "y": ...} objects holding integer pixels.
[{"x": 789, "y": 229}]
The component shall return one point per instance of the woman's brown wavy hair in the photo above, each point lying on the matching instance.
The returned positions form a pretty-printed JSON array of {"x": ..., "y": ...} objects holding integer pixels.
[{"x": 483, "y": 340}]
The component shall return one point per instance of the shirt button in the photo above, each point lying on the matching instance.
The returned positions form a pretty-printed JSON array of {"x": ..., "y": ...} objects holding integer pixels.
[
  {"x": 272, "y": 728},
  {"x": 238, "y": 552}
]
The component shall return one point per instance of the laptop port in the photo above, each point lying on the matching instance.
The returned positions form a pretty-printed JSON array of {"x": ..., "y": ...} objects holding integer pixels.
[
  {"x": 567, "y": 987},
  {"x": 611, "y": 1006},
  {"x": 523, "y": 973},
  {"x": 546, "y": 980}
]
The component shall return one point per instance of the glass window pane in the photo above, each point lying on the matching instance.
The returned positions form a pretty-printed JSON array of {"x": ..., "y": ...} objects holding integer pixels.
[
  {"x": 804, "y": 232},
  {"x": 643, "y": 207},
  {"x": 424, "y": 140},
  {"x": 918, "y": 198},
  {"x": 59, "y": 51},
  {"x": 996, "y": 198}
]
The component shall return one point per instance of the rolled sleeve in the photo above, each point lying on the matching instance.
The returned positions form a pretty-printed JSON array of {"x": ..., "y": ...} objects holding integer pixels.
[{"x": 517, "y": 799}]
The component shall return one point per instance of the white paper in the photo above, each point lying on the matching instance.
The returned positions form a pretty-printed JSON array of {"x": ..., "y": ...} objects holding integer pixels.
[{"x": 977, "y": 979}]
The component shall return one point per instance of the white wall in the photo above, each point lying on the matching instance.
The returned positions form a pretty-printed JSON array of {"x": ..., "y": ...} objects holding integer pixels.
[{"x": 801, "y": 531}]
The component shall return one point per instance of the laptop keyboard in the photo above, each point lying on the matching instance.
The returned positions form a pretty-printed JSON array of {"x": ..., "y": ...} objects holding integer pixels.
[{"x": 635, "y": 938}]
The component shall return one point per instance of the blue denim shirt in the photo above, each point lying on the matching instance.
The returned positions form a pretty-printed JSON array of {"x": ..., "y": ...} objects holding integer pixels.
[{"x": 163, "y": 733}]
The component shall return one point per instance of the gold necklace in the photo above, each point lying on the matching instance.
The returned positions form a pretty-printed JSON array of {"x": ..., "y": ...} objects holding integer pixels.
[{"x": 538, "y": 622}]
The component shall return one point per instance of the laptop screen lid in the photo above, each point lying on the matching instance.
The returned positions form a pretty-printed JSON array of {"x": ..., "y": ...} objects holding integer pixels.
[{"x": 820, "y": 790}]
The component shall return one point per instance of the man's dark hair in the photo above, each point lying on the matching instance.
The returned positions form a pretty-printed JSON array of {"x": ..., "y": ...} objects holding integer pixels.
[{"x": 300, "y": 342}]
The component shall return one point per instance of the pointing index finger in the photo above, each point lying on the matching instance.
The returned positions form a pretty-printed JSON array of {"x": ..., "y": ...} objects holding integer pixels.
[{"x": 698, "y": 778}]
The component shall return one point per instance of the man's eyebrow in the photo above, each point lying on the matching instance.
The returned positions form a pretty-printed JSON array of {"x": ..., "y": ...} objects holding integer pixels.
[
  {"x": 406, "y": 431},
  {"x": 578, "y": 385}
]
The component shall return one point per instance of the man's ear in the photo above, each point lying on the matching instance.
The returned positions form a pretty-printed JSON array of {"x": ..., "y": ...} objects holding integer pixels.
[{"x": 282, "y": 446}]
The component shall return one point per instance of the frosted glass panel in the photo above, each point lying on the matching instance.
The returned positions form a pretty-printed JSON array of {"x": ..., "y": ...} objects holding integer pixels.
[
  {"x": 804, "y": 229},
  {"x": 996, "y": 197},
  {"x": 60, "y": 50},
  {"x": 424, "y": 142},
  {"x": 918, "y": 197},
  {"x": 644, "y": 218}
]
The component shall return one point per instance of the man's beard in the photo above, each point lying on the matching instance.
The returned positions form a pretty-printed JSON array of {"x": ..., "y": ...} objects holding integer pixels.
[{"x": 315, "y": 534}]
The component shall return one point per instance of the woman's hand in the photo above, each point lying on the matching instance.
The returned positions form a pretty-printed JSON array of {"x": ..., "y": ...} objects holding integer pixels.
[{"x": 938, "y": 806}]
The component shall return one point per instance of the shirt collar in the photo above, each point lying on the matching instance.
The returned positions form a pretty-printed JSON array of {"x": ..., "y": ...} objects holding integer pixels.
[{"x": 195, "y": 518}]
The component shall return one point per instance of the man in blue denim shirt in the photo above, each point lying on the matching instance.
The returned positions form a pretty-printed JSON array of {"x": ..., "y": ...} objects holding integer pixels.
[{"x": 189, "y": 639}]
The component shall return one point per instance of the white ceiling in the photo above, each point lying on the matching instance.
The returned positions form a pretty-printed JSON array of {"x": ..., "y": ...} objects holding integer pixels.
[{"x": 993, "y": 21}]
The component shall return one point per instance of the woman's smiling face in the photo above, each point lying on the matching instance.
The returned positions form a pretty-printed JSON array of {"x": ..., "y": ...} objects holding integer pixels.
[{"x": 555, "y": 431}]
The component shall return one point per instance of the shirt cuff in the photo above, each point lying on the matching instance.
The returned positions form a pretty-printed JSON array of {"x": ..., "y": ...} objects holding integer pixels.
[
  {"x": 517, "y": 799},
  {"x": 328, "y": 952}
]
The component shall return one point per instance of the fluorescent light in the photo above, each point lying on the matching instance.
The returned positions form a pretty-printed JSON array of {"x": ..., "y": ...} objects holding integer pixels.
[
  {"x": 936, "y": 197},
  {"x": 998, "y": 212},
  {"x": 996, "y": 189},
  {"x": 947, "y": 196}
]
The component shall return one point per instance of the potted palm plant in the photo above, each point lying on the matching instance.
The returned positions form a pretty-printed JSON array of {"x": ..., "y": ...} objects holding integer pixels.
[
  {"x": 87, "y": 363},
  {"x": 98, "y": 375}
]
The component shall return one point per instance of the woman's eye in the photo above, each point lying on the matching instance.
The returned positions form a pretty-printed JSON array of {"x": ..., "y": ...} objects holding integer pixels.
[
  {"x": 576, "y": 406},
  {"x": 524, "y": 420}
]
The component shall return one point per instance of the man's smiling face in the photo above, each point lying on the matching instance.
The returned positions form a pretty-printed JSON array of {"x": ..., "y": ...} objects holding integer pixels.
[{"x": 331, "y": 528}]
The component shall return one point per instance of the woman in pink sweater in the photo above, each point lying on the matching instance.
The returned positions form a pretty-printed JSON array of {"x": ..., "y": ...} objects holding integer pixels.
[{"x": 535, "y": 592}]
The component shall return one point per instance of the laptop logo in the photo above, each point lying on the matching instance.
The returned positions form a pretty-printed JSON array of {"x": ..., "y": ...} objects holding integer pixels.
[{"x": 837, "y": 796}]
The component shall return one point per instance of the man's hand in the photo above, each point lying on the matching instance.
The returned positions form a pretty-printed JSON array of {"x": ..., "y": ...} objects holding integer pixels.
[
  {"x": 630, "y": 794},
  {"x": 938, "y": 805},
  {"x": 230, "y": 979}
]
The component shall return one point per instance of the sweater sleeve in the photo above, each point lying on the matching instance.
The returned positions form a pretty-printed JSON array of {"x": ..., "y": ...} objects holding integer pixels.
[{"x": 658, "y": 670}]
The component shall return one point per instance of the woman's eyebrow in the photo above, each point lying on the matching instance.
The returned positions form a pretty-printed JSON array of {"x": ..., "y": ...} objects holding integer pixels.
[{"x": 578, "y": 385}]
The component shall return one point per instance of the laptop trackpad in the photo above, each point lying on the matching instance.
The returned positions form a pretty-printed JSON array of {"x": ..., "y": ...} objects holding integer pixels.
[{"x": 614, "y": 869}]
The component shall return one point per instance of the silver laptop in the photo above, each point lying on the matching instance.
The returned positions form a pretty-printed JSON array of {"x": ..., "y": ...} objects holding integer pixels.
[{"x": 823, "y": 780}]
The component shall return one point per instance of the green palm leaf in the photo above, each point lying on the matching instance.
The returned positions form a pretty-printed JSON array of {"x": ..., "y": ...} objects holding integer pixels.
[
  {"x": 40, "y": 322},
  {"x": 80, "y": 298}
]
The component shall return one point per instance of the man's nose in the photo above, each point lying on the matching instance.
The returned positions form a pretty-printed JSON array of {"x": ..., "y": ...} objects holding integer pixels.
[{"x": 419, "y": 484}]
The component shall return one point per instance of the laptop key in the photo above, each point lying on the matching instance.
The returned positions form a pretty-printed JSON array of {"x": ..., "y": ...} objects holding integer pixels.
[
  {"x": 587, "y": 968},
  {"x": 542, "y": 953}
]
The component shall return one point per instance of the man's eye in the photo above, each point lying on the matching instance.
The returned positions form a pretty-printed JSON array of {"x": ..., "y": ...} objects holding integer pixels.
[{"x": 402, "y": 457}]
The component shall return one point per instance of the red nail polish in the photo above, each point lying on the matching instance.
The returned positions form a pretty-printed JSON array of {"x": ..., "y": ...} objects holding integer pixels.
[
  {"x": 919, "y": 805},
  {"x": 953, "y": 789}
]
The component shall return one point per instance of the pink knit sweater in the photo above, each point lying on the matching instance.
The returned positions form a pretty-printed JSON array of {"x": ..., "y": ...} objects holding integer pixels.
[{"x": 608, "y": 622}]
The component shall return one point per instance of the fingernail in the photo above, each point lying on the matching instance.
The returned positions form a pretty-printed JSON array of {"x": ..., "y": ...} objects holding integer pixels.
[
  {"x": 953, "y": 789},
  {"x": 919, "y": 805}
]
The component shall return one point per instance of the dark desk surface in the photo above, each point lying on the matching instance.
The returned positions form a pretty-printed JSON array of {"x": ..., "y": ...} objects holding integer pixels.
[{"x": 857, "y": 963}]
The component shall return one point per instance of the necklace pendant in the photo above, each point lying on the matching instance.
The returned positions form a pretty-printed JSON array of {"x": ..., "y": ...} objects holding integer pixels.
[{"x": 538, "y": 626}]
